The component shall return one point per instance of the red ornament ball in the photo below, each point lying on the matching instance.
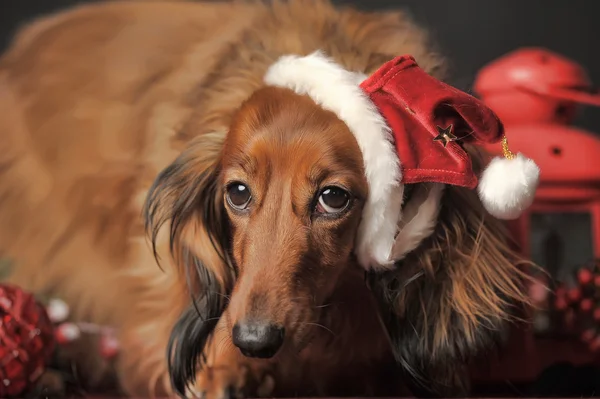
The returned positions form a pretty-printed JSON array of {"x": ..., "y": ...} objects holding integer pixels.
[
  {"x": 574, "y": 294},
  {"x": 561, "y": 303},
  {"x": 588, "y": 335},
  {"x": 26, "y": 340},
  {"x": 586, "y": 304},
  {"x": 585, "y": 276},
  {"x": 594, "y": 345}
]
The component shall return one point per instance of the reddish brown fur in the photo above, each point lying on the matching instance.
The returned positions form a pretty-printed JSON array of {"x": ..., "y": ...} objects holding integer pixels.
[
  {"x": 288, "y": 272},
  {"x": 99, "y": 99},
  {"x": 269, "y": 245}
]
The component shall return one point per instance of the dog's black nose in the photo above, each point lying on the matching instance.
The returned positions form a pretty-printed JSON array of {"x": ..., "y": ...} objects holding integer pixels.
[{"x": 257, "y": 339}]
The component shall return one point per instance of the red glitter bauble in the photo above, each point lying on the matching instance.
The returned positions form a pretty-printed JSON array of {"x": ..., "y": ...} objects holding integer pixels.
[{"x": 26, "y": 340}]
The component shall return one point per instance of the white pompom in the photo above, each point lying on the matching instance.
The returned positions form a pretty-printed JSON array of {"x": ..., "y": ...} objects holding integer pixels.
[
  {"x": 57, "y": 310},
  {"x": 507, "y": 186}
]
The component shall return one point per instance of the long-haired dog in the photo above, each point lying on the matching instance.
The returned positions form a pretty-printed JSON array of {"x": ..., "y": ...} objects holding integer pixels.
[{"x": 117, "y": 112}]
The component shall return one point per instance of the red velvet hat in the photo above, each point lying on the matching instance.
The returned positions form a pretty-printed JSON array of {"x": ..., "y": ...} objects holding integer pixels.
[
  {"x": 411, "y": 129},
  {"x": 430, "y": 120}
]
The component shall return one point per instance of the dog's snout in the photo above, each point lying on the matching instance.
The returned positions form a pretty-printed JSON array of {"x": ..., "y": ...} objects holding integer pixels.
[{"x": 256, "y": 339}]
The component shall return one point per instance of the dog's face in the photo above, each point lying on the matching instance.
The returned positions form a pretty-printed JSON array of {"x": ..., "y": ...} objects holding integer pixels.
[
  {"x": 293, "y": 188},
  {"x": 263, "y": 221}
]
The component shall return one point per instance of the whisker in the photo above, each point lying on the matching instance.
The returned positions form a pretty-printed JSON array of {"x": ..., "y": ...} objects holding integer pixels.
[
  {"x": 228, "y": 297},
  {"x": 223, "y": 343},
  {"x": 211, "y": 319},
  {"x": 300, "y": 297},
  {"x": 317, "y": 325},
  {"x": 311, "y": 300}
]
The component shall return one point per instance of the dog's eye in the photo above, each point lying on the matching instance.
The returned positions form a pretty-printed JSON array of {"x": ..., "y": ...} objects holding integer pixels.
[
  {"x": 238, "y": 196},
  {"x": 333, "y": 200}
]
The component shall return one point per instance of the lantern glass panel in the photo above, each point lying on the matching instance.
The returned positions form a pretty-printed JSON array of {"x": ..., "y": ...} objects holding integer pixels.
[{"x": 560, "y": 242}]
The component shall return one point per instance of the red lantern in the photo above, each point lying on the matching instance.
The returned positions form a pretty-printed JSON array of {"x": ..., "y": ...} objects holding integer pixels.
[{"x": 537, "y": 94}]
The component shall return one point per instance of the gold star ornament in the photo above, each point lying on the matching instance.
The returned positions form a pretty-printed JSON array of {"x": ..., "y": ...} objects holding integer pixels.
[{"x": 445, "y": 135}]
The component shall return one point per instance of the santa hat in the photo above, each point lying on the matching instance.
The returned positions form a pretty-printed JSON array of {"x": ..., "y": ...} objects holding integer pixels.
[{"x": 410, "y": 128}]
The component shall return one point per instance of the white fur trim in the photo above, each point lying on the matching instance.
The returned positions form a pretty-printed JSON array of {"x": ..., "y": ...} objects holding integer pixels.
[
  {"x": 507, "y": 186},
  {"x": 419, "y": 219},
  {"x": 337, "y": 89}
]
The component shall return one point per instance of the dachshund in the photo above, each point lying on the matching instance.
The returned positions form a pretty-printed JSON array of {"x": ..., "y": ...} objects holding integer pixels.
[{"x": 135, "y": 119}]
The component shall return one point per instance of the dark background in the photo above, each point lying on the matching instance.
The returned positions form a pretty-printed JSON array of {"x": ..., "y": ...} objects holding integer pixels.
[{"x": 469, "y": 32}]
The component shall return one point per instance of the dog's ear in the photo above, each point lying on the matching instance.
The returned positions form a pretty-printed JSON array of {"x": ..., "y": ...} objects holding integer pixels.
[
  {"x": 452, "y": 296},
  {"x": 186, "y": 201}
]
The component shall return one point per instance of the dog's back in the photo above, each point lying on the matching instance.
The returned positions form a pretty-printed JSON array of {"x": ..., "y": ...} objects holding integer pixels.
[{"x": 97, "y": 100}]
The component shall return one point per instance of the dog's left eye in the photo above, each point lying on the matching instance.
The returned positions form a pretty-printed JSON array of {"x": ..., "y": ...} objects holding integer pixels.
[
  {"x": 333, "y": 200},
  {"x": 238, "y": 196}
]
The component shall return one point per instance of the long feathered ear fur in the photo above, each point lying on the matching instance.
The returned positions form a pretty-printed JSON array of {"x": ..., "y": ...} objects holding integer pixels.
[
  {"x": 450, "y": 298},
  {"x": 186, "y": 199}
]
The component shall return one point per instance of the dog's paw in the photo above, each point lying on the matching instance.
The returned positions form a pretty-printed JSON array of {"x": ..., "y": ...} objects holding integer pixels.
[{"x": 233, "y": 382}]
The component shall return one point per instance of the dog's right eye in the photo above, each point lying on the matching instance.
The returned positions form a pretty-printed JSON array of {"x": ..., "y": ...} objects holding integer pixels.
[
  {"x": 238, "y": 196},
  {"x": 333, "y": 200}
]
